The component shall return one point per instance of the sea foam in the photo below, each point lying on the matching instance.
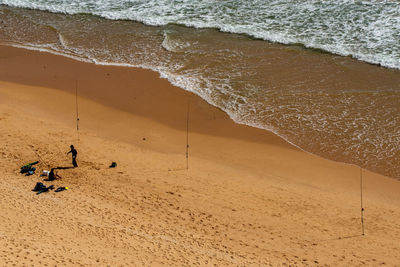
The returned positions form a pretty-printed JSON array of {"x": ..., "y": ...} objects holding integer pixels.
[{"x": 366, "y": 30}]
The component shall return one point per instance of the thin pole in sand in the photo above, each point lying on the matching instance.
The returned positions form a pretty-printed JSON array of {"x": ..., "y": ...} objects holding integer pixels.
[
  {"x": 76, "y": 105},
  {"x": 187, "y": 136},
  {"x": 362, "y": 207}
]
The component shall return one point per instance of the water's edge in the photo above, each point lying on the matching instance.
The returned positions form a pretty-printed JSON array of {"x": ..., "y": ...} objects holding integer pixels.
[
  {"x": 162, "y": 76},
  {"x": 333, "y": 106}
]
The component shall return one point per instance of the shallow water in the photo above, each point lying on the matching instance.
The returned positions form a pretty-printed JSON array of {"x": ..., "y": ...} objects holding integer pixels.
[{"x": 333, "y": 106}]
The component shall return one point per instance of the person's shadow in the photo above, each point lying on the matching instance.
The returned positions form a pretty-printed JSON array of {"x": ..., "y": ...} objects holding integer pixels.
[{"x": 63, "y": 168}]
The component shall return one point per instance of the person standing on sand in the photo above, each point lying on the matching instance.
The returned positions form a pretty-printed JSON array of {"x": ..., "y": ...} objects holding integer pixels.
[{"x": 74, "y": 153}]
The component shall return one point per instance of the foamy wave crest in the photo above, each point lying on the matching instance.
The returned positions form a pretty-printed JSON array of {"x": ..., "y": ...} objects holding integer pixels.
[
  {"x": 366, "y": 30},
  {"x": 174, "y": 45}
]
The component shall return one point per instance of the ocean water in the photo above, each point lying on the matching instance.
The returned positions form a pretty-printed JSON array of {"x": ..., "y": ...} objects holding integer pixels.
[
  {"x": 366, "y": 30},
  {"x": 298, "y": 68}
]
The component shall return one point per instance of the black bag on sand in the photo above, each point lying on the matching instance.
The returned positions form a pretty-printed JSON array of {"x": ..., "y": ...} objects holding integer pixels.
[
  {"x": 113, "y": 165},
  {"x": 38, "y": 187},
  {"x": 45, "y": 189}
]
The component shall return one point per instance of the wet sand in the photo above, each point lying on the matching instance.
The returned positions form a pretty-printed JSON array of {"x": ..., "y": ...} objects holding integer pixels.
[{"x": 248, "y": 198}]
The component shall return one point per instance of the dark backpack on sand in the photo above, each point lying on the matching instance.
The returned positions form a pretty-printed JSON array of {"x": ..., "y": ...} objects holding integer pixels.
[
  {"x": 45, "y": 189},
  {"x": 39, "y": 187}
]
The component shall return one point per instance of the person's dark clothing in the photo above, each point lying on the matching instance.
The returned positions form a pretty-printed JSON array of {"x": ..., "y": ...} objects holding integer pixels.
[
  {"x": 74, "y": 161},
  {"x": 74, "y": 154},
  {"x": 73, "y": 151}
]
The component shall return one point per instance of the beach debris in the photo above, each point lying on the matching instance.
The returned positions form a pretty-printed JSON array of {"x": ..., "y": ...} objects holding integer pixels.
[
  {"x": 28, "y": 167},
  {"x": 113, "y": 164}
]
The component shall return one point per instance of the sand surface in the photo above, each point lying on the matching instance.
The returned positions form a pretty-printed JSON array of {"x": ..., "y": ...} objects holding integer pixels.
[{"x": 248, "y": 198}]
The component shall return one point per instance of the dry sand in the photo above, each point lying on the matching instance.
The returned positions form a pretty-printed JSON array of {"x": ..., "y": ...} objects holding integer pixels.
[{"x": 248, "y": 199}]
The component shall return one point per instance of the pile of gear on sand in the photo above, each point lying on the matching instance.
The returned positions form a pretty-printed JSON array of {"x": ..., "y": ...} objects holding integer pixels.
[{"x": 29, "y": 169}]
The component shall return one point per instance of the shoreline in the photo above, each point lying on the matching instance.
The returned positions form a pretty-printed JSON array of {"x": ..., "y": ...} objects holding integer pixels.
[
  {"x": 67, "y": 84},
  {"x": 185, "y": 93},
  {"x": 248, "y": 198},
  {"x": 170, "y": 114}
]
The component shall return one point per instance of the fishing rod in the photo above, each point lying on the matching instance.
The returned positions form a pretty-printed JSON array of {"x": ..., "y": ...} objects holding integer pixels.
[
  {"x": 76, "y": 105},
  {"x": 361, "y": 201},
  {"x": 187, "y": 136}
]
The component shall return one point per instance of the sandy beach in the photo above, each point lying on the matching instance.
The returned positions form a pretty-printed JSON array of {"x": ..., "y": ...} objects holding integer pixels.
[{"x": 248, "y": 198}]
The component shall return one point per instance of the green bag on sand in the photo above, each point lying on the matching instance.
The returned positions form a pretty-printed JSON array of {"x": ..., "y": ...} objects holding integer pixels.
[{"x": 27, "y": 167}]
